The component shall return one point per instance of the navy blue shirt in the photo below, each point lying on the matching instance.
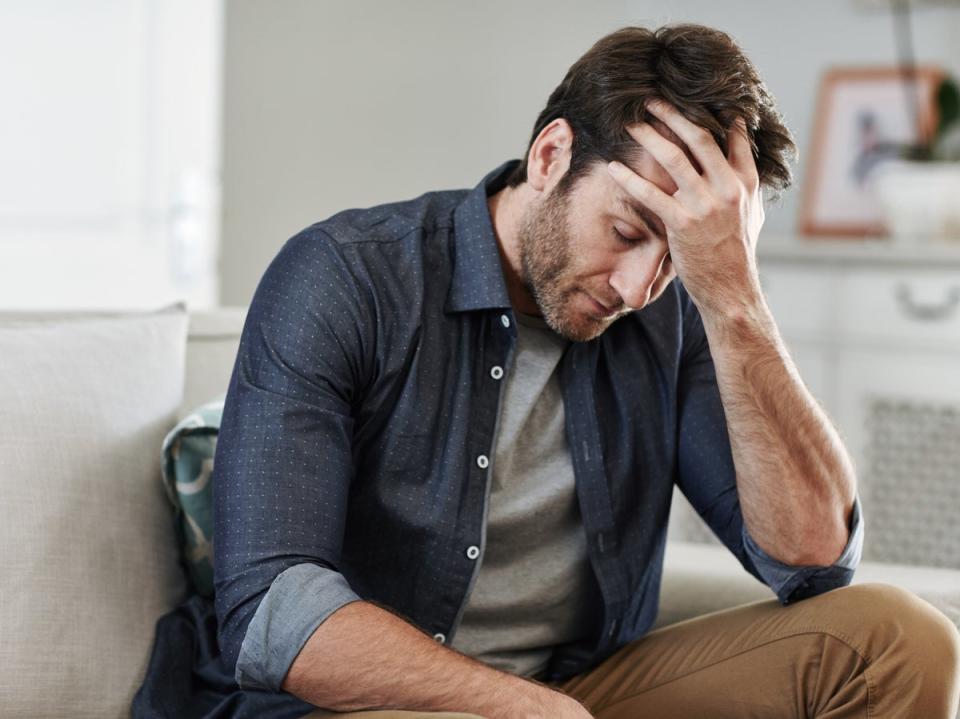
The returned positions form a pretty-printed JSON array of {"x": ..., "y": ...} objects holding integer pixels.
[{"x": 353, "y": 455}]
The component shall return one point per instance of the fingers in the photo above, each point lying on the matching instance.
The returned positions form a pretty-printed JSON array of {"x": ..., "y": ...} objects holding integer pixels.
[
  {"x": 701, "y": 143},
  {"x": 641, "y": 189},
  {"x": 740, "y": 153},
  {"x": 668, "y": 154}
]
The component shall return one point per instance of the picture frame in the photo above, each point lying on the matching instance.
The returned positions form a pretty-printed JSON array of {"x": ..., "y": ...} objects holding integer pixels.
[{"x": 864, "y": 117}]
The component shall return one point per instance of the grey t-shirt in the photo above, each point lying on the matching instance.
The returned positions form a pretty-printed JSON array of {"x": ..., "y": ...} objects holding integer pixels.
[{"x": 529, "y": 594}]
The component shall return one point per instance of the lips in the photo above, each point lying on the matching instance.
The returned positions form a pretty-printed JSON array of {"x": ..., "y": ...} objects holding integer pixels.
[
  {"x": 607, "y": 310},
  {"x": 608, "y": 307}
]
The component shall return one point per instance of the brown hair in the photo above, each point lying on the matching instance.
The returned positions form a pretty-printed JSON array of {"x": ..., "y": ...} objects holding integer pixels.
[{"x": 700, "y": 70}]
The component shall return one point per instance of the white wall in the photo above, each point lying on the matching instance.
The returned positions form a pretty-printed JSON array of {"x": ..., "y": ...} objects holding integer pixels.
[
  {"x": 110, "y": 140},
  {"x": 347, "y": 103}
]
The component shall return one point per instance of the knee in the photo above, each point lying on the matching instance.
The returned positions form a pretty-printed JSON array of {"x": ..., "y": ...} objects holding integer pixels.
[{"x": 893, "y": 616}]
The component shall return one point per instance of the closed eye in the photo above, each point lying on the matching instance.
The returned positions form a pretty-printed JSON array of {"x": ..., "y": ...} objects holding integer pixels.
[{"x": 631, "y": 241}]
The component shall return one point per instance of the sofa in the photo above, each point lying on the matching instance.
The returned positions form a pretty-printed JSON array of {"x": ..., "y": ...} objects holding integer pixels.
[{"x": 89, "y": 547}]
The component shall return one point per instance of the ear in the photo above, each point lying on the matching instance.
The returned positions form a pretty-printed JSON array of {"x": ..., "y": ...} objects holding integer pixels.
[{"x": 549, "y": 156}]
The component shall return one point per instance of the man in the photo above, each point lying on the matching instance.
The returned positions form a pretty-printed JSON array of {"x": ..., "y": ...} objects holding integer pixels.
[{"x": 450, "y": 439}]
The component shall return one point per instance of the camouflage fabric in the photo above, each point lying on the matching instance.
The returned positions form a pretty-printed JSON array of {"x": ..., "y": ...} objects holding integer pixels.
[{"x": 187, "y": 459}]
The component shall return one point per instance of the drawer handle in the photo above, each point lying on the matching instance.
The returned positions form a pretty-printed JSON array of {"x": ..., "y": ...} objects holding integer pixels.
[{"x": 928, "y": 312}]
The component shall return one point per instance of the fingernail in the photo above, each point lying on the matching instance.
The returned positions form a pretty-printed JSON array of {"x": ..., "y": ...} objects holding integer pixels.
[{"x": 614, "y": 168}]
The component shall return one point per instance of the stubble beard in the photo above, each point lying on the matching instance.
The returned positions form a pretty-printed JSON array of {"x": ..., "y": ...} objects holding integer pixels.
[{"x": 545, "y": 257}]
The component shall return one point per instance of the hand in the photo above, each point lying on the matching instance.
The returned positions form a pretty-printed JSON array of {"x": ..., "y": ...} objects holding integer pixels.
[
  {"x": 560, "y": 706},
  {"x": 546, "y": 703},
  {"x": 713, "y": 220},
  {"x": 568, "y": 708}
]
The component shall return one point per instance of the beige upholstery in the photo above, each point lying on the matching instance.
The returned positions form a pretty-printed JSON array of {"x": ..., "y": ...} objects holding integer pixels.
[
  {"x": 212, "y": 341},
  {"x": 211, "y": 350},
  {"x": 86, "y": 542}
]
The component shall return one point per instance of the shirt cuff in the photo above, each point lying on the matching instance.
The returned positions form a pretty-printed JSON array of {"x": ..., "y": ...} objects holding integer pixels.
[
  {"x": 793, "y": 582},
  {"x": 299, "y": 600}
]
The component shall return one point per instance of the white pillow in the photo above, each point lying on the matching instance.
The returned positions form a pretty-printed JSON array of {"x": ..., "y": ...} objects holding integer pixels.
[{"x": 87, "y": 545}]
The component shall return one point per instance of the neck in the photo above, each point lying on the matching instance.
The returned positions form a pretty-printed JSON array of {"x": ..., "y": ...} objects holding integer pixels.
[{"x": 507, "y": 209}]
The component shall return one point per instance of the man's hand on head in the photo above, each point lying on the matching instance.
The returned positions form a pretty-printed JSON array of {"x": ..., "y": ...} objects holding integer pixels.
[{"x": 714, "y": 218}]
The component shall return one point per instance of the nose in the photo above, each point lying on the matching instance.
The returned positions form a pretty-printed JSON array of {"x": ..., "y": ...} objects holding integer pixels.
[{"x": 638, "y": 270}]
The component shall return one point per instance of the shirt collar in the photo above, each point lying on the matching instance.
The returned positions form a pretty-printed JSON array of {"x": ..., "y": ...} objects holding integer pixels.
[{"x": 478, "y": 281}]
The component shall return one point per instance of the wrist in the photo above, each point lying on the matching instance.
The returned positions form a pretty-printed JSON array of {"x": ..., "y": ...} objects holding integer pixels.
[
  {"x": 746, "y": 319},
  {"x": 724, "y": 293}
]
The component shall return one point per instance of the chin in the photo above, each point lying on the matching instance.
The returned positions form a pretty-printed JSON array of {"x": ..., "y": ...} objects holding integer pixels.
[
  {"x": 579, "y": 327},
  {"x": 573, "y": 321}
]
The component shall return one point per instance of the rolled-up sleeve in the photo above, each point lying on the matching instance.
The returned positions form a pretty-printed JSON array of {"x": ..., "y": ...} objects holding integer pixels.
[
  {"x": 707, "y": 477},
  {"x": 793, "y": 582},
  {"x": 298, "y": 601},
  {"x": 284, "y": 461}
]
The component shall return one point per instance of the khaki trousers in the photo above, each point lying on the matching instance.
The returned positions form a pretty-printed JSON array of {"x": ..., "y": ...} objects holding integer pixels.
[{"x": 865, "y": 650}]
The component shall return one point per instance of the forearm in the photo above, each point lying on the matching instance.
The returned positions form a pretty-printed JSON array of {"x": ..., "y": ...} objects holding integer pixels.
[
  {"x": 365, "y": 657},
  {"x": 794, "y": 477}
]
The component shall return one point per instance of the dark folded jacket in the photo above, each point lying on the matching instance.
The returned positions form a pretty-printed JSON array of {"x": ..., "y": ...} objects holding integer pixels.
[{"x": 186, "y": 678}]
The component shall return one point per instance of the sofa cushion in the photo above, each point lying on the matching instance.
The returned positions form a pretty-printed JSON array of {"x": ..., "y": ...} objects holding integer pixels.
[
  {"x": 188, "y": 452},
  {"x": 87, "y": 543}
]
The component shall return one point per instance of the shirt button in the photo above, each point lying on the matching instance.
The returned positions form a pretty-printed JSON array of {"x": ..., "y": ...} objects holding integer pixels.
[
  {"x": 483, "y": 462},
  {"x": 473, "y": 551},
  {"x": 440, "y": 637},
  {"x": 496, "y": 372},
  {"x": 504, "y": 320}
]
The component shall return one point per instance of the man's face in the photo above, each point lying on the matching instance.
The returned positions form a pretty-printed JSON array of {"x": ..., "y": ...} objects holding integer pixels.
[{"x": 572, "y": 256}]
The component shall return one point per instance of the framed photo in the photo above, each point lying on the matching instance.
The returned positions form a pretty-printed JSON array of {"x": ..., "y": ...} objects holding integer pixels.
[{"x": 865, "y": 116}]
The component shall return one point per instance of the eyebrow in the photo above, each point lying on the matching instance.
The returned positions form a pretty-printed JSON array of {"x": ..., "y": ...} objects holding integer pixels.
[{"x": 641, "y": 213}]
